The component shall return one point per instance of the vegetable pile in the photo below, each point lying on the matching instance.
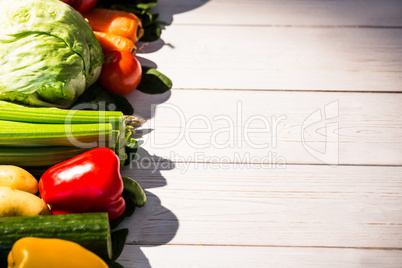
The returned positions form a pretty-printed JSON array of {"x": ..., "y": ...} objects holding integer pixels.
[
  {"x": 79, "y": 201},
  {"x": 51, "y": 53},
  {"x": 117, "y": 31},
  {"x": 64, "y": 71}
]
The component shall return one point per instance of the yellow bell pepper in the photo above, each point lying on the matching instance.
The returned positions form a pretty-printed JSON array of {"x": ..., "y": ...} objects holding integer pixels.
[{"x": 33, "y": 252}]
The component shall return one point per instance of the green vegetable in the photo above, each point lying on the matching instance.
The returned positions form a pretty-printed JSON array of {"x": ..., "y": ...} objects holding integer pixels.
[
  {"x": 135, "y": 191},
  {"x": 37, "y": 156},
  {"x": 17, "y": 133},
  {"x": 44, "y": 115},
  {"x": 90, "y": 230},
  {"x": 152, "y": 32},
  {"x": 27, "y": 126},
  {"x": 48, "y": 53},
  {"x": 153, "y": 81}
]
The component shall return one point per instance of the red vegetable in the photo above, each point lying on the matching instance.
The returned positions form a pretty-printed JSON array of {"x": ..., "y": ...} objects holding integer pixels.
[
  {"x": 121, "y": 72},
  {"x": 110, "y": 42},
  {"x": 89, "y": 182},
  {"x": 81, "y": 6},
  {"x": 115, "y": 22}
]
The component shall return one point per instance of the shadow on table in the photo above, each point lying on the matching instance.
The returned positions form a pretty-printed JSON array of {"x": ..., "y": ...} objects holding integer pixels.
[
  {"x": 166, "y": 10},
  {"x": 153, "y": 224},
  {"x": 145, "y": 104}
]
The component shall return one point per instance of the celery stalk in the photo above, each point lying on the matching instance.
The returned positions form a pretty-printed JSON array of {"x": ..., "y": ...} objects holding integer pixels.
[
  {"x": 14, "y": 112},
  {"x": 38, "y": 126},
  {"x": 80, "y": 135},
  {"x": 37, "y": 156}
]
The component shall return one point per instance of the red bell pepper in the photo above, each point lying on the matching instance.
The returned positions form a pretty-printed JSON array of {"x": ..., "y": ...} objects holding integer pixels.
[{"x": 89, "y": 182}]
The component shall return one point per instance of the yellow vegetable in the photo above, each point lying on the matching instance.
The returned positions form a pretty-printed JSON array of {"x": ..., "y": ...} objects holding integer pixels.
[
  {"x": 32, "y": 252},
  {"x": 18, "y": 178},
  {"x": 20, "y": 203}
]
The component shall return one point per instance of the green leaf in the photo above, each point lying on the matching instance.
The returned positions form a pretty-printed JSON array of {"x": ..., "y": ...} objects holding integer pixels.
[
  {"x": 147, "y": 19},
  {"x": 118, "y": 242},
  {"x": 152, "y": 32},
  {"x": 146, "y": 5},
  {"x": 154, "y": 82}
]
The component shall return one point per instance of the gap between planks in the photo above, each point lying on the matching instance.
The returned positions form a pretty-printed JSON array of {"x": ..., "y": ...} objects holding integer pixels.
[
  {"x": 286, "y": 12},
  {"x": 300, "y": 206},
  {"x": 263, "y": 246},
  {"x": 290, "y": 90},
  {"x": 291, "y": 26},
  {"x": 153, "y": 161},
  {"x": 366, "y": 131},
  {"x": 215, "y": 256},
  {"x": 336, "y": 59}
]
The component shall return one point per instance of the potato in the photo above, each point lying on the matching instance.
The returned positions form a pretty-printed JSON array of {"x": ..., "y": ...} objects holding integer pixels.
[
  {"x": 19, "y": 203},
  {"x": 18, "y": 178}
]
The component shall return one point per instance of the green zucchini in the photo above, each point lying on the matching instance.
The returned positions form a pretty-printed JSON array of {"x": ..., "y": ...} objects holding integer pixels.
[{"x": 90, "y": 230}]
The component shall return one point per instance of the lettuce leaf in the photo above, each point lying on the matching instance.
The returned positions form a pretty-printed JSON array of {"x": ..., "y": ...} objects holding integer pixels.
[{"x": 48, "y": 53}]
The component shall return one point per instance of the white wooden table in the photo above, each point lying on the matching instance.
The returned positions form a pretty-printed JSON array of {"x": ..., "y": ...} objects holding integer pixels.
[{"x": 280, "y": 144}]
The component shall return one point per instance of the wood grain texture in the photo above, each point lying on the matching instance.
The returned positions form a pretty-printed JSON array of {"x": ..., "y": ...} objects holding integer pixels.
[
  {"x": 300, "y": 205},
  {"x": 260, "y": 58},
  {"x": 241, "y": 156},
  {"x": 286, "y": 12},
  {"x": 272, "y": 127},
  {"x": 166, "y": 256}
]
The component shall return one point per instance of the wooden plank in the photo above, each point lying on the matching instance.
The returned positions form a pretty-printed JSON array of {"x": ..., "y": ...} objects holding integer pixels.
[
  {"x": 167, "y": 256},
  {"x": 302, "y": 205},
  {"x": 225, "y": 57},
  {"x": 271, "y": 127},
  {"x": 286, "y": 12}
]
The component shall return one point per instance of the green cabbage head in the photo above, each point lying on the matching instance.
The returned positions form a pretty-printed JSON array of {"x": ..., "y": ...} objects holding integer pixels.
[{"x": 48, "y": 53}]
